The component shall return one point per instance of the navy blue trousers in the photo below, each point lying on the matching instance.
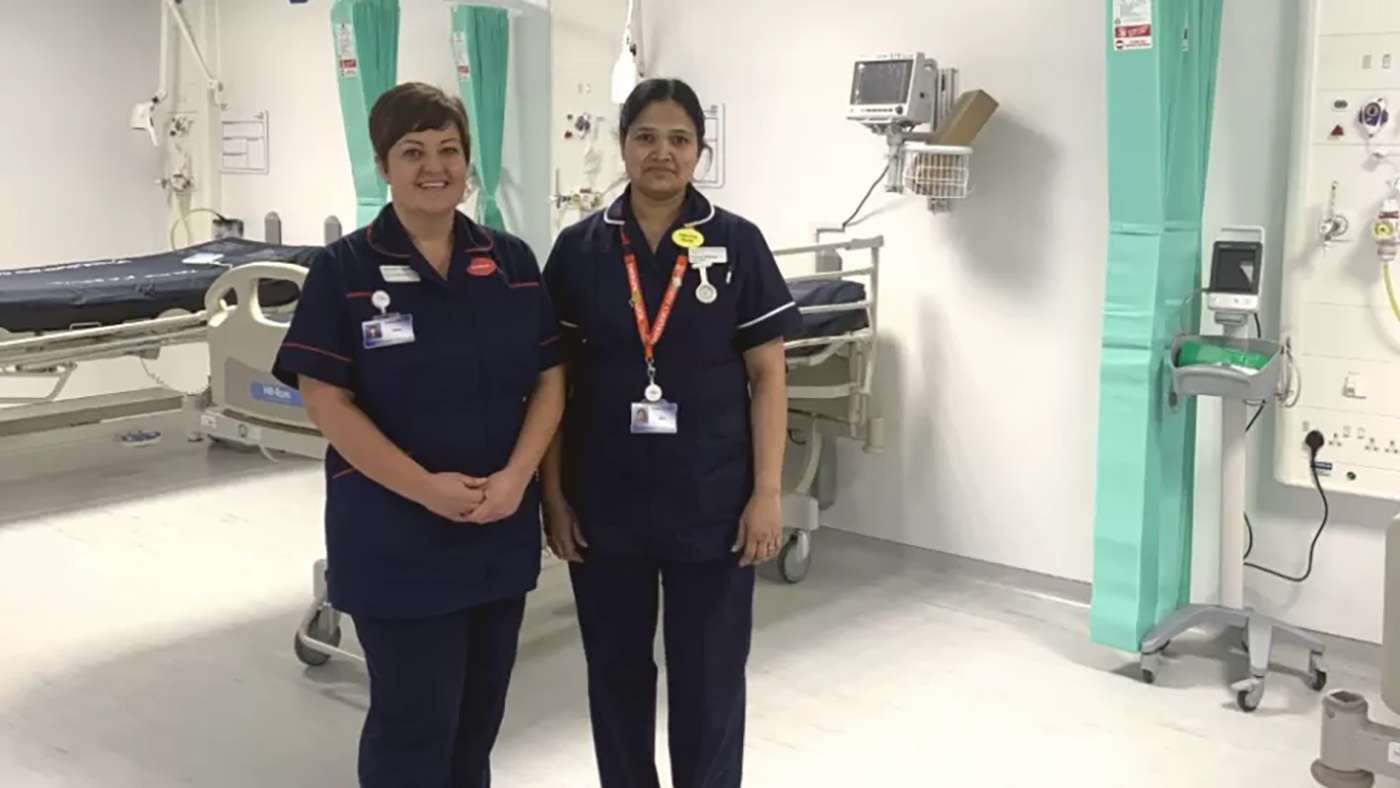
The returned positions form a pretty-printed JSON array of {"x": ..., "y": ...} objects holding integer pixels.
[
  {"x": 708, "y": 628},
  {"x": 437, "y": 695}
]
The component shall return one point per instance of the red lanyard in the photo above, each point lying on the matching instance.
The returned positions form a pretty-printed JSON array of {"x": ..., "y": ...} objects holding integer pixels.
[{"x": 651, "y": 334}]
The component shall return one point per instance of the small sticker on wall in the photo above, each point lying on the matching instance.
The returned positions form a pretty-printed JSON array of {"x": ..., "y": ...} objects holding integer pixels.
[
  {"x": 1395, "y": 753},
  {"x": 459, "y": 54},
  {"x": 1132, "y": 25},
  {"x": 346, "y": 55},
  {"x": 710, "y": 172}
]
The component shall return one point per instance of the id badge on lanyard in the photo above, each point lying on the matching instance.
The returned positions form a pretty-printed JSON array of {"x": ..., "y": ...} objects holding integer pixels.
[{"x": 652, "y": 415}]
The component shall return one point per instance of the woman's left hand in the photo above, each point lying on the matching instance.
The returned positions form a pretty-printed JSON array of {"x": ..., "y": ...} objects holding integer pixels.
[
  {"x": 760, "y": 529},
  {"x": 504, "y": 491}
]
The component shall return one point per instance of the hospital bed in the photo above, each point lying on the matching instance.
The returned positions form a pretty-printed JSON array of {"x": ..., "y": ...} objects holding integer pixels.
[
  {"x": 54, "y": 317},
  {"x": 831, "y": 375},
  {"x": 831, "y": 378}
]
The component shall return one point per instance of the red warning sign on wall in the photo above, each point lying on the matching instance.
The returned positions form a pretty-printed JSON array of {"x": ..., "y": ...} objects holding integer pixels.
[{"x": 1132, "y": 37}]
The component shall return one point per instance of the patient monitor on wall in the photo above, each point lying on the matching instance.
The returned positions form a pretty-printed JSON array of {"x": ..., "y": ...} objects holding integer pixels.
[
  {"x": 894, "y": 90},
  {"x": 894, "y": 95}
]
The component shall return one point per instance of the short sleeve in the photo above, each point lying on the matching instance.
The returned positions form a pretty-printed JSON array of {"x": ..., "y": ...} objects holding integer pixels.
[
  {"x": 767, "y": 310},
  {"x": 563, "y": 299},
  {"x": 320, "y": 341},
  {"x": 550, "y": 353}
]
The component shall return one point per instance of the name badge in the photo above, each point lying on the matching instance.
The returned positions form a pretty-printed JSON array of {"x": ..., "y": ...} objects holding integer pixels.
[
  {"x": 654, "y": 418},
  {"x": 399, "y": 274},
  {"x": 704, "y": 256},
  {"x": 387, "y": 331}
]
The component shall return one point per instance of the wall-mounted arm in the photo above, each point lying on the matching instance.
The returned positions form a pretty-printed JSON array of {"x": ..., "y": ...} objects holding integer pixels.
[{"x": 173, "y": 6}]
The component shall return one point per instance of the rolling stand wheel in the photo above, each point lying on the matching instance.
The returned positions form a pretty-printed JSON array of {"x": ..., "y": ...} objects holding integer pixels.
[
  {"x": 1249, "y": 693},
  {"x": 795, "y": 559},
  {"x": 323, "y": 629},
  {"x": 1149, "y": 665},
  {"x": 1331, "y": 778},
  {"x": 1317, "y": 672}
]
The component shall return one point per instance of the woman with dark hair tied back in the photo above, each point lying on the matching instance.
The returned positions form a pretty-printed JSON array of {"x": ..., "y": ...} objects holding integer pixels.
[
  {"x": 667, "y": 475},
  {"x": 428, "y": 355}
]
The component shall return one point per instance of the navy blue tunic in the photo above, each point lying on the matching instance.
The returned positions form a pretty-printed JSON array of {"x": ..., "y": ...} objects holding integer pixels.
[
  {"x": 453, "y": 400},
  {"x": 670, "y": 497}
]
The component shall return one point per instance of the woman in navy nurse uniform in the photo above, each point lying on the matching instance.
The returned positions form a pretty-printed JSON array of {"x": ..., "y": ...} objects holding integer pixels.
[
  {"x": 666, "y": 476},
  {"x": 426, "y": 351}
]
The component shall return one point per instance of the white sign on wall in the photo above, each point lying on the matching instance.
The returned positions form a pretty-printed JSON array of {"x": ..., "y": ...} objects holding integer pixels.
[
  {"x": 244, "y": 145},
  {"x": 1132, "y": 25},
  {"x": 710, "y": 173}
]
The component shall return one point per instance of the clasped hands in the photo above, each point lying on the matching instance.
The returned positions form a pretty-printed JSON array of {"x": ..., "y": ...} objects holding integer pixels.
[{"x": 469, "y": 499}]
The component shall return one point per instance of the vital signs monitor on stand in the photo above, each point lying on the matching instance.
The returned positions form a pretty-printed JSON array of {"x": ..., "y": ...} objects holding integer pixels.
[{"x": 1237, "y": 370}]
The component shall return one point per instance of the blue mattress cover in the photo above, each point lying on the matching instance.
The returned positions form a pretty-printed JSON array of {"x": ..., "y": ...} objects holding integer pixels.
[
  {"x": 106, "y": 292},
  {"x": 826, "y": 292}
]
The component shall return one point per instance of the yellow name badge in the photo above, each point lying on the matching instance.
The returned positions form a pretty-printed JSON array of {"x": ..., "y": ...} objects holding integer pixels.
[{"x": 687, "y": 238}]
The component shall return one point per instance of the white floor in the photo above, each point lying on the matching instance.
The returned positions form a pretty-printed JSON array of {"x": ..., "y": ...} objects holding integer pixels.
[{"x": 148, "y": 598}]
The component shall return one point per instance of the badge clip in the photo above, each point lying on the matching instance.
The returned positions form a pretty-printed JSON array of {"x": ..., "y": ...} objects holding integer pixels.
[
  {"x": 652, "y": 392},
  {"x": 380, "y": 300},
  {"x": 702, "y": 257}
]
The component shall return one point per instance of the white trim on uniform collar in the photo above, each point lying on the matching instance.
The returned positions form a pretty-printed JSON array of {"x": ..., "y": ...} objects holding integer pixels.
[
  {"x": 775, "y": 312},
  {"x": 707, "y": 218},
  {"x": 607, "y": 214},
  {"x": 608, "y": 219}
]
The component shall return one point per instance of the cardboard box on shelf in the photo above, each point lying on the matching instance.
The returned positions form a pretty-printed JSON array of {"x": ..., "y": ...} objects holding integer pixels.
[{"x": 970, "y": 114}]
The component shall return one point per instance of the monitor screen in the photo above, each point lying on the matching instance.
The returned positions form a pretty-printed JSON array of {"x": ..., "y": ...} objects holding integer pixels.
[
  {"x": 1235, "y": 269},
  {"x": 882, "y": 82}
]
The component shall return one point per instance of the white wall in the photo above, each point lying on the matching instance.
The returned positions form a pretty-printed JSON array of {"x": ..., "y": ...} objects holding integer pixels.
[
  {"x": 77, "y": 182},
  {"x": 278, "y": 58},
  {"x": 991, "y": 316},
  {"x": 587, "y": 38}
]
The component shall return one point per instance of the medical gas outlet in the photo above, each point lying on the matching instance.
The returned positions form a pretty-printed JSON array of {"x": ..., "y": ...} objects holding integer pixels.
[
  {"x": 1386, "y": 229},
  {"x": 1335, "y": 225}
]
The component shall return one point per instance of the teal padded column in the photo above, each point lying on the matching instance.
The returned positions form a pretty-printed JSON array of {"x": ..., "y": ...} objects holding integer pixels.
[
  {"x": 366, "y": 38},
  {"x": 1160, "y": 102},
  {"x": 483, "y": 36}
]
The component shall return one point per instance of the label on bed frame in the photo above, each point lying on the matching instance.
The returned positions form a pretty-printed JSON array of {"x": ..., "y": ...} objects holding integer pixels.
[{"x": 276, "y": 393}]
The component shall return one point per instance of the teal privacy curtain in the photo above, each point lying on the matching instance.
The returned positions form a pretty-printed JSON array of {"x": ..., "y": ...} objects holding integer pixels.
[
  {"x": 366, "y": 35},
  {"x": 1160, "y": 100},
  {"x": 481, "y": 43}
]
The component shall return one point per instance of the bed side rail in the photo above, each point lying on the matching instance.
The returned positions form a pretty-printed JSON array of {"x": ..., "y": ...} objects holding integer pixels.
[{"x": 842, "y": 408}]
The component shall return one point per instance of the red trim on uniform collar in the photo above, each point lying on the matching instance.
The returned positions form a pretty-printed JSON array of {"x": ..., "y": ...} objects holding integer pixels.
[
  {"x": 473, "y": 237},
  {"x": 387, "y": 236},
  {"x": 378, "y": 249}
]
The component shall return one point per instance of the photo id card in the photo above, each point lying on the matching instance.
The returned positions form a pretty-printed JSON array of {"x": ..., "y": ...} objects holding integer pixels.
[
  {"x": 387, "y": 330},
  {"x": 654, "y": 418}
]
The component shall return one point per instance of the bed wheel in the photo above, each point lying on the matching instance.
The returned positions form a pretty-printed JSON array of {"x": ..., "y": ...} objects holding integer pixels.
[
  {"x": 795, "y": 559},
  {"x": 224, "y": 443},
  {"x": 322, "y": 629}
]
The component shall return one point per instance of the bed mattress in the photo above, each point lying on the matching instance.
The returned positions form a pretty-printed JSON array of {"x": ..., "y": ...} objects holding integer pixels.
[
  {"x": 827, "y": 292},
  {"x": 111, "y": 291}
]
